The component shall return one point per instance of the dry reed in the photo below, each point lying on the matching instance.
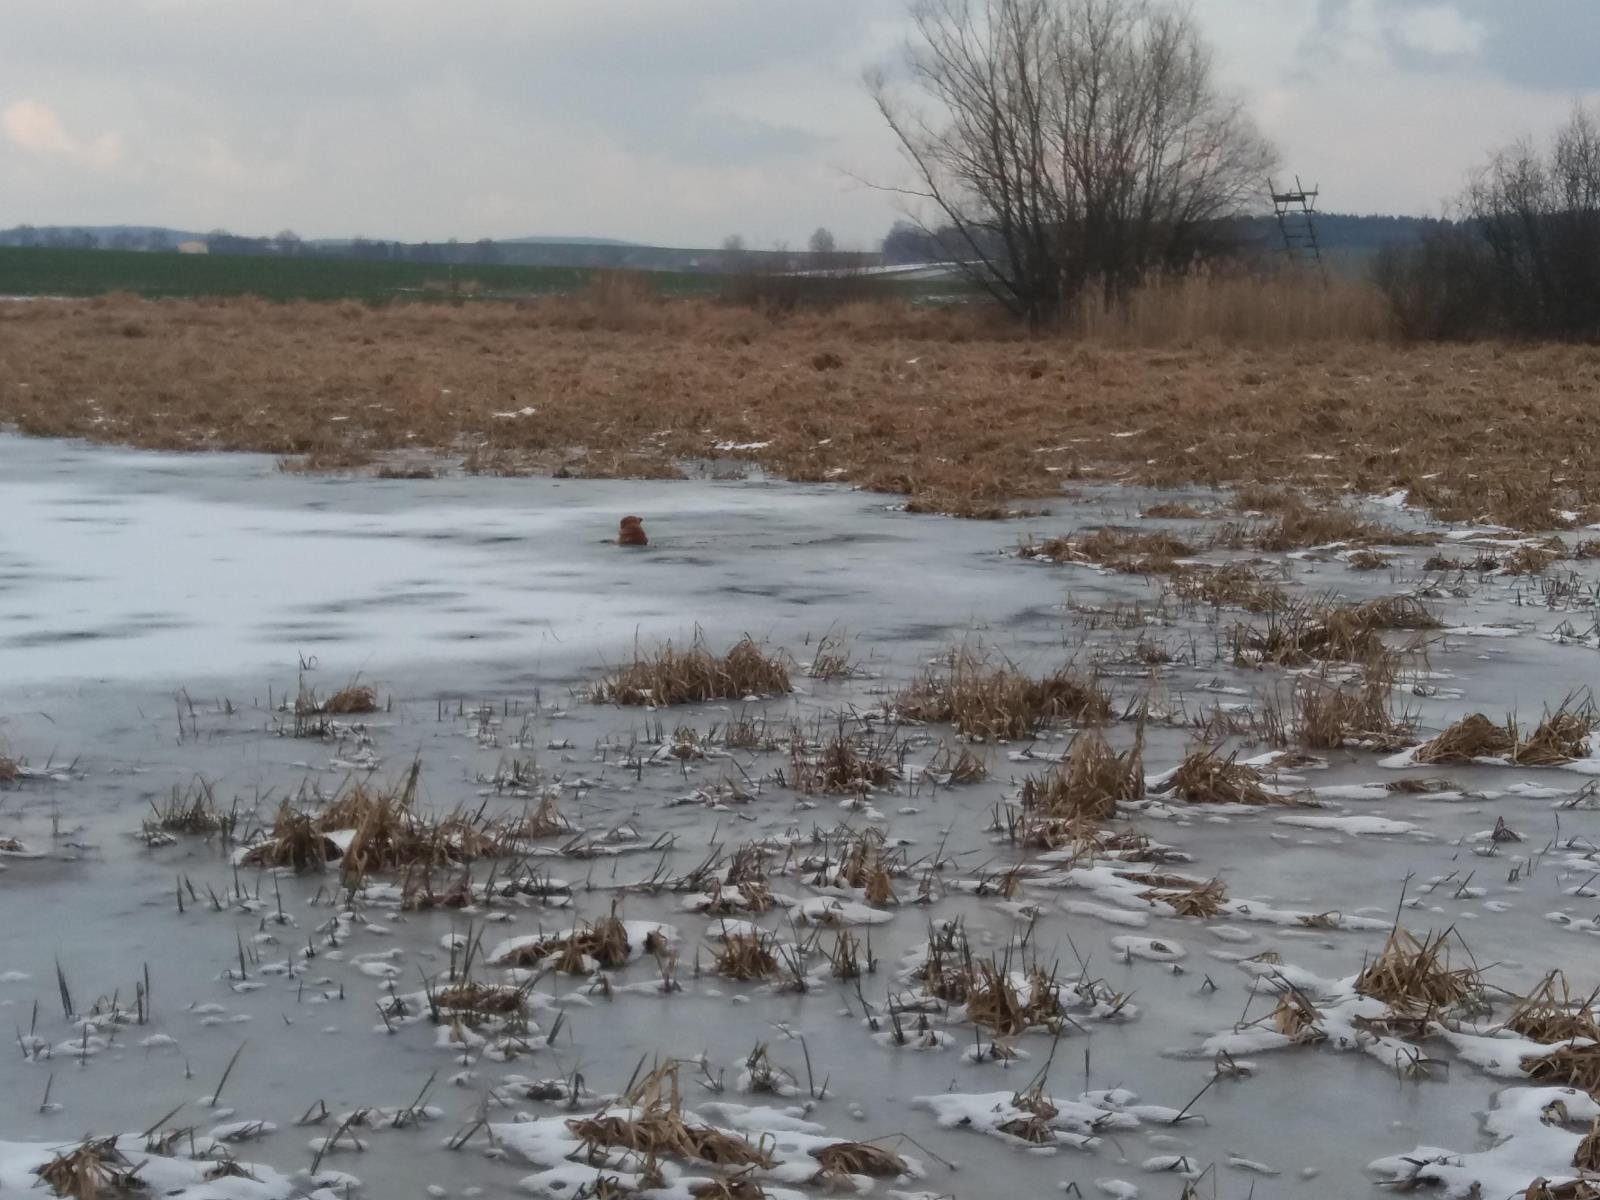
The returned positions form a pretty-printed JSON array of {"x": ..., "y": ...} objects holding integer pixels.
[
  {"x": 1323, "y": 411},
  {"x": 693, "y": 676},
  {"x": 995, "y": 701}
]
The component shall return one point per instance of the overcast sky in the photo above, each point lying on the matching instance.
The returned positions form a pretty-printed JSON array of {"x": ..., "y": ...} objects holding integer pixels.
[{"x": 669, "y": 121}]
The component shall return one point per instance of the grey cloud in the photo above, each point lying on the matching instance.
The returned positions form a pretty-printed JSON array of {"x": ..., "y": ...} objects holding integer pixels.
[{"x": 1541, "y": 45}]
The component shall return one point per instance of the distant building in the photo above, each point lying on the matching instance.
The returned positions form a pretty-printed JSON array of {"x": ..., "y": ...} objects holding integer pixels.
[{"x": 193, "y": 248}]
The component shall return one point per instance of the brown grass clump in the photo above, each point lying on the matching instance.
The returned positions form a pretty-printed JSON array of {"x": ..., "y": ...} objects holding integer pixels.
[
  {"x": 546, "y": 820},
  {"x": 294, "y": 841},
  {"x": 1474, "y": 736},
  {"x": 1234, "y": 585},
  {"x": 93, "y": 1170},
  {"x": 1368, "y": 560},
  {"x": 1206, "y": 777},
  {"x": 477, "y": 1000},
  {"x": 1572, "y": 1065},
  {"x": 1300, "y": 632},
  {"x": 694, "y": 676},
  {"x": 1035, "y": 1126},
  {"x": 1297, "y": 1018},
  {"x": 996, "y": 701},
  {"x": 746, "y": 956},
  {"x": 958, "y": 765},
  {"x": 8, "y": 769},
  {"x": 1572, "y": 1189},
  {"x": 1530, "y": 560},
  {"x": 1172, "y": 510},
  {"x": 1397, "y": 612},
  {"x": 603, "y": 942},
  {"x": 843, "y": 764},
  {"x": 1197, "y": 900},
  {"x": 1414, "y": 976},
  {"x": 193, "y": 812},
  {"x": 860, "y": 1158},
  {"x": 1089, "y": 785},
  {"x": 1323, "y": 715},
  {"x": 352, "y": 698},
  {"x": 1550, "y": 1013},
  {"x": 1130, "y": 551},
  {"x": 1298, "y": 525},
  {"x": 832, "y": 660},
  {"x": 658, "y": 1128},
  {"x": 995, "y": 1002},
  {"x": 731, "y": 1187},
  {"x": 1587, "y": 1156},
  {"x": 1563, "y": 736}
]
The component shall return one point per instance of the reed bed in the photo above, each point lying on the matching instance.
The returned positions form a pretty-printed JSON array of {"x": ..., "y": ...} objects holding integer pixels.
[{"x": 1328, "y": 414}]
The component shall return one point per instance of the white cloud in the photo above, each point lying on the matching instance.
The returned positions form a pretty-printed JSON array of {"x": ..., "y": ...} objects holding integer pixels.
[
  {"x": 34, "y": 128},
  {"x": 1440, "y": 29}
]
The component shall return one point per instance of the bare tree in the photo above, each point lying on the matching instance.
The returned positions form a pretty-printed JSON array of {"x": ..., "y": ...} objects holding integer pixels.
[
  {"x": 1522, "y": 255},
  {"x": 1070, "y": 142}
]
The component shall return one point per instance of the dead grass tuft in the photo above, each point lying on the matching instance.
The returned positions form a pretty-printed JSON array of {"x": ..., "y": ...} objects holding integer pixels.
[
  {"x": 1233, "y": 585},
  {"x": 1130, "y": 551},
  {"x": 995, "y": 701},
  {"x": 1368, "y": 560},
  {"x": 1206, "y": 777},
  {"x": 1089, "y": 785},
  {"x": 859, "y": 1158},
  {"x": 1414, "y": 975},
  {"x": 1551, "y": 1013},
  {"x": 602, "y": 943},
  {"x": 1173, "y": 510},
  {"x": 746, "y": 956},
  {"x": 1529, "y": 559},
  {"x": 352, "y": 698},
  {"x": 1576, "y": 1064},
  {"x": 693, "y": 676},
  {"x": 1474, "y": 736},
  {"x": 655, "y": 1127},
  {"x": 997, "y": 1001},
  {"x": 844, "y": 763},
  {"x": 294, "y": 841},
  {"x": 1298, "y": 525},
  {"x": 1561, "y": 737},
  {"x": 1323, "y": 714},
  {"x": 1202, "y": 900},
  {"x": 93, "y": 1170}
]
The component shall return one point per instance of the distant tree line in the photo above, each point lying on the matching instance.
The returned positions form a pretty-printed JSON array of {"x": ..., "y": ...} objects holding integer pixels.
[{"x": 1520, "y": 254}]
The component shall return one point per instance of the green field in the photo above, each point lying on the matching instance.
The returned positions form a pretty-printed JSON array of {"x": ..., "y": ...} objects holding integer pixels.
[{"x": 32, "y": 272}]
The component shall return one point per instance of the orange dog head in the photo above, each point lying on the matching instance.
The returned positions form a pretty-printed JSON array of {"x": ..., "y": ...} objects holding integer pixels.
[{"x": 631, "y": 532}]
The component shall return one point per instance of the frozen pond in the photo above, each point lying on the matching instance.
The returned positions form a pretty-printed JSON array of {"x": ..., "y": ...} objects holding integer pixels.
[{"x": 156, "y": 611}]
